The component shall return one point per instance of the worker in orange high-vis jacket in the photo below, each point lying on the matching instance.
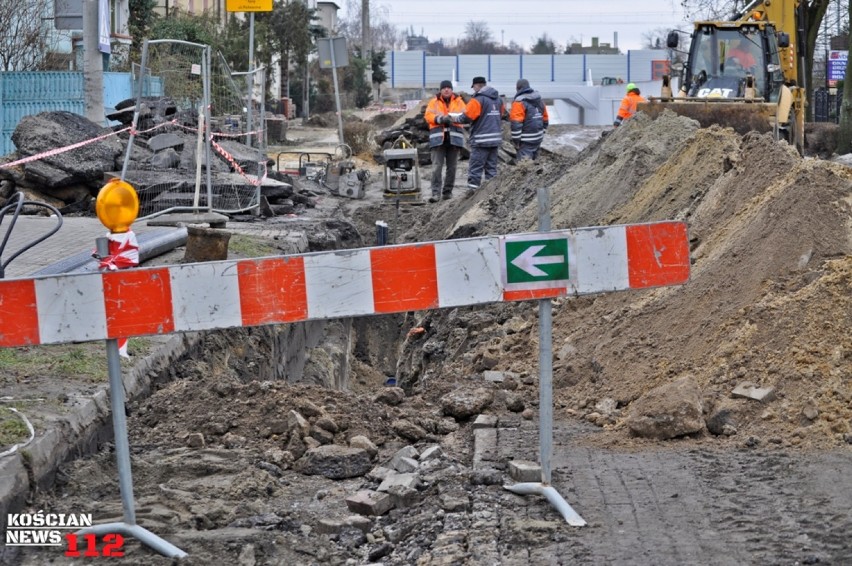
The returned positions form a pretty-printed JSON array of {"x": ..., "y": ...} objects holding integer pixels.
[
  {"x": 528, "y": 119},
  {"x": 484, "y": 113},
  {"x": 446, "y": 139},
  {"x": 628, "y": 104}
]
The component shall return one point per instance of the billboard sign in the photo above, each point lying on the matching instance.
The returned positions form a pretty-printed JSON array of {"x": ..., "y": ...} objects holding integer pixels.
[{"x": 836, "y": 67}]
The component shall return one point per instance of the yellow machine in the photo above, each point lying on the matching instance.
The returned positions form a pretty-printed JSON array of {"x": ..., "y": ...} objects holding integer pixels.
[{"x": 745, "y": 73}]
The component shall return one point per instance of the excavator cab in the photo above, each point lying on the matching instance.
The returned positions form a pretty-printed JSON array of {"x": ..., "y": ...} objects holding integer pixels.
[
  {"x": 743, "y": 72},
  {"x": 733, "y": 62}
]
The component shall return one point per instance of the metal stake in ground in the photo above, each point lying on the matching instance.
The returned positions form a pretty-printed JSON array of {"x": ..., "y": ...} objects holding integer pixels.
[
  {"x": 545, "y": 384},
  {"x": 116, "y": 207}
]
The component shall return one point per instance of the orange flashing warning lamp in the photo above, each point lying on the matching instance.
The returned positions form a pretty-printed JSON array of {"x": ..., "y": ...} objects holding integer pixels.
[{"x": 117, "y": 206}]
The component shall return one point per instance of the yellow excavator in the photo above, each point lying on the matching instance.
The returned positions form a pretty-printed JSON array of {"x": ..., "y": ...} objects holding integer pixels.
[{"x": 746, "y": 73}]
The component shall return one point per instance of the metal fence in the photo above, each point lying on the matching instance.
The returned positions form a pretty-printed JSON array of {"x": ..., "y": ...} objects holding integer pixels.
[
  {"x": 827, "y": 105},
  {"x": 190, "y": 119}
]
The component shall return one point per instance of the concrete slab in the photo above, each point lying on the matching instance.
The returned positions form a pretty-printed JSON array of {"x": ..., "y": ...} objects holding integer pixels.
[{"x": 212, "y": 219}]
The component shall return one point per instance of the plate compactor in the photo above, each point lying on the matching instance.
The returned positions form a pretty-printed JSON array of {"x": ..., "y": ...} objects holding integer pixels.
[{"x": 402, "y": 174}]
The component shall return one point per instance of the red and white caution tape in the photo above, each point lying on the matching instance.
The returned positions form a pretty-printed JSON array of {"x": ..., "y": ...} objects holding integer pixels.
[
  {"x": 123, "y": 252},
  {"x": 59, "y": 150},
  {"x": 256, "y": 181}
]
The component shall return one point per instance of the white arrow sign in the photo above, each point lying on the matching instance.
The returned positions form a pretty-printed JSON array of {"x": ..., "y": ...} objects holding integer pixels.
[{"x": 528, "y": 261}]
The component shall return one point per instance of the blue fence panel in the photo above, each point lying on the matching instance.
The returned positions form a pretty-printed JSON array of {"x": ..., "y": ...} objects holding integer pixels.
[
  {"x": 406, "y": 69},
  {"x": 505, "y": 68},
  {"x": 568, "y": 68},
  {"x": 472, "y": 66},
  {"x": 607, "y": 66},
  {"x": 538, "y": 69},
  {"x": 117, "y": 87},
  {"x": 642, "y": 64},
  {"x": 441, "y": 68},
  {"x": 27, "y": 93}
]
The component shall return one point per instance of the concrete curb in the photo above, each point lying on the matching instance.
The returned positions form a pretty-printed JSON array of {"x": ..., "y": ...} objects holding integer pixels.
[{"x": 80, "y": 432}]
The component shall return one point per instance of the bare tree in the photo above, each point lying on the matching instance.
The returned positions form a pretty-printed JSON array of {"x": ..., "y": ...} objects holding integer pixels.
[
  {"x": 477, "y": 32},
  {"x": 655, "y": 38},
  {"x": 477, "y": 38},
  {"x": 384, "y": 35},
  {"x": 25, "y": 34}
]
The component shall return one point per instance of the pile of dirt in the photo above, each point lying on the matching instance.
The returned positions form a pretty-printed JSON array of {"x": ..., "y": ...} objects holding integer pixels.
[
  {"x": 768, "y": 302},
  {"x": 768, "y": 306}
]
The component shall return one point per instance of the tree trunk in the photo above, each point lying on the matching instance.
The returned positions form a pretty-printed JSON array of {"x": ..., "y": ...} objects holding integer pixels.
[
  {"x": 815, "y": 13},
  {"x": 844, "y": 137}
]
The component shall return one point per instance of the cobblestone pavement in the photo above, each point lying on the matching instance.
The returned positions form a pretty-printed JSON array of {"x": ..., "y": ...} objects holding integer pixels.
[{"x": 669, "y": 506}]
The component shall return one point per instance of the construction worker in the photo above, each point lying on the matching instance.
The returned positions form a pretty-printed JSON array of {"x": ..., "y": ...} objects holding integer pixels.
[
  {"x": 528, "y": 119},
  {"x": 484, "y": 113},
  {"x": 628, "y": 104},
  {"x": 740, "y": 56},
  {"x": 445, "y": 138}
]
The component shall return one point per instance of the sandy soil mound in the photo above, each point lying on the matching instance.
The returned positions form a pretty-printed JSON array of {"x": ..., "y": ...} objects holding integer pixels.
[{"x": 768, "y": 301}]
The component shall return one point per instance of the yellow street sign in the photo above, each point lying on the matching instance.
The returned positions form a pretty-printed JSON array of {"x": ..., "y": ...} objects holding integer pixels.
[{"x": 248, "y": 5}]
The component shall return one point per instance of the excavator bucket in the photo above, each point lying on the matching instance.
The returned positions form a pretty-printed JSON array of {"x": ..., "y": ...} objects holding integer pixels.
[{"x": 742, "y": 116}]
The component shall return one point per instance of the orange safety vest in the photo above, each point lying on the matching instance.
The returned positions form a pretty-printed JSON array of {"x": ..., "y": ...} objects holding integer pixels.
[
  {"x": 436, "y": 131},
  {"x": 628, "y": 105}
]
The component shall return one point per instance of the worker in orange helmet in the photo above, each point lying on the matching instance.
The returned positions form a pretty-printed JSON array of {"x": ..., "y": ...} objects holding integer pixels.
[{"x": 628, "y": 104}]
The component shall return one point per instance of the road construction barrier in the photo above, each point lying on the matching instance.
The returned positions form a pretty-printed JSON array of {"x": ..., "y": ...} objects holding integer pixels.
[{"x": 358, "y": 282}]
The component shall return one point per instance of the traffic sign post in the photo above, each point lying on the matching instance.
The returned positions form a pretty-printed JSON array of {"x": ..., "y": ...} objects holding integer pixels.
[
  {"x": 250, "y": 6},
  {"x": 531, "y": 262}
]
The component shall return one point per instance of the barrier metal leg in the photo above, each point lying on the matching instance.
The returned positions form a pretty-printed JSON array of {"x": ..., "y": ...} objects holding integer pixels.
[
  {"x": 122, "y": 457},
  {"x": 545, "y": 361}
]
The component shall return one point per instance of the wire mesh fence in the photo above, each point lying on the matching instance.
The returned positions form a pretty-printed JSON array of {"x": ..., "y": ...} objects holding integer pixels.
[{"x": 194, "y": 144}]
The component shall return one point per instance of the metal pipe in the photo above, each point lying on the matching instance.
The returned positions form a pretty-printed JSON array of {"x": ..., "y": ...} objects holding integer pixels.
[{"x": 545, "y": 356}]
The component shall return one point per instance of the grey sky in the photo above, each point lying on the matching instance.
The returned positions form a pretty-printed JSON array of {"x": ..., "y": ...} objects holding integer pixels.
[{"x": 523, "y": 21}]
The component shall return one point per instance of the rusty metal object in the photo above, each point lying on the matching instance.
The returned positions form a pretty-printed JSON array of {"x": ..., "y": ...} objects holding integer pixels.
[{"x": 206, "y": 244}]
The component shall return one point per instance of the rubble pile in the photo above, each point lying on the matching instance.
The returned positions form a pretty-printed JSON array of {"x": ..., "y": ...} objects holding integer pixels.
[{"x": 162, "y": 163}]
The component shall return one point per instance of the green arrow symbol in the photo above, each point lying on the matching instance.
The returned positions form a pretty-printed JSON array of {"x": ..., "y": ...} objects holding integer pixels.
[{"x": 528, "y": 261}]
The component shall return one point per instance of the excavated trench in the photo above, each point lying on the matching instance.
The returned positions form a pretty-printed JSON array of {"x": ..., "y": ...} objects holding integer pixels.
[{"x": 216, "y": 462}]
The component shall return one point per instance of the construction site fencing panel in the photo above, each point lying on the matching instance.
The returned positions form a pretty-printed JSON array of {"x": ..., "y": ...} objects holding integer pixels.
[{"x": 190, "y": 150}]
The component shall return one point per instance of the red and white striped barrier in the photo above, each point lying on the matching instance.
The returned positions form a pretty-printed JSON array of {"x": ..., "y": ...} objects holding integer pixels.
[{"x": 366, "y": 281}]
